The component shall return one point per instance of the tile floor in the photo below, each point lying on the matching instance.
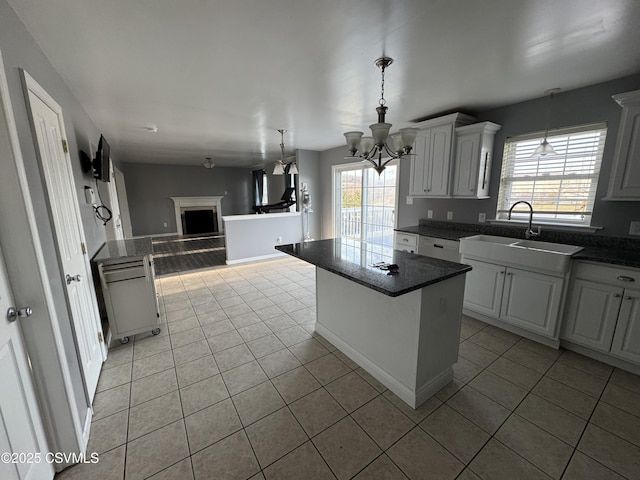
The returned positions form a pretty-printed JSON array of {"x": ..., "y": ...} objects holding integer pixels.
[{"x": 240, "y": 387}]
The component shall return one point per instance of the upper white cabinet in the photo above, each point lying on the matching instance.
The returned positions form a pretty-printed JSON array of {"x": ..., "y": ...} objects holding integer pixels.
[
  {"x": 625, "y": 174},
  {"x": 431, "y": 166},
  {"x": 472, "y": 165}
]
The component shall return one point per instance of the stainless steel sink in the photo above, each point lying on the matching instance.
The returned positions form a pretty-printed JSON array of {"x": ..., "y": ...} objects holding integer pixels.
[{"x": 553, "y": 257}]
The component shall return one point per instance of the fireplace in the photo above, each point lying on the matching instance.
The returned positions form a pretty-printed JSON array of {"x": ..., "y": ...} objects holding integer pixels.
[{"x": 198, "y": 215}]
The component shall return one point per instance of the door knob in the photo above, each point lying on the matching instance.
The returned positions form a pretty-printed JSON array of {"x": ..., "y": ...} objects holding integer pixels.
[
  {"x": 13, "y": 313},
  {"x": 75, "y": 278}
]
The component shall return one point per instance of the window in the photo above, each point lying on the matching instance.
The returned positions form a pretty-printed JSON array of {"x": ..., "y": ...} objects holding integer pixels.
[{"x": 561, "y": 187}]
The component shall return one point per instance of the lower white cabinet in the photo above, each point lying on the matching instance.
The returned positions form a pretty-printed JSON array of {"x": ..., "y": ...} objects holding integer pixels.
[
  {"x": 439, "y": 248},
  {"x": 406, "y": 242},
  {"x": 603, "y": 310},
  {"x": 528, "y": 300}
]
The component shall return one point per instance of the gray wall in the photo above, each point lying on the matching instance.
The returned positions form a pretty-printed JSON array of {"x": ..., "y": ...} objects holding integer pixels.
[
  {"x": 581, "y": 106},
  {"x": 20, "y": 50},
  {"x": 149, "y": 188},
  {"x": 309, "y": 168}
]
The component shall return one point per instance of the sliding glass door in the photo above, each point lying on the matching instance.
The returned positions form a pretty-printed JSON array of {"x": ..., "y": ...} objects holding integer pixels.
[{"x": 365, "y": 203}]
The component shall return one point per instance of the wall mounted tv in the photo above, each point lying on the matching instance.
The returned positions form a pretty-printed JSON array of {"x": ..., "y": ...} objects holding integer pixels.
[{"x": 101, "y": 162}]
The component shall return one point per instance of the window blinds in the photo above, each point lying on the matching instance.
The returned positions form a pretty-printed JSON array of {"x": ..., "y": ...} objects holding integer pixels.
[{"x": 561, "y": 187}]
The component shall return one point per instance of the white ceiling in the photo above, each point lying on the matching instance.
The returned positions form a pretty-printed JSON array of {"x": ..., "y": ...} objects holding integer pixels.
[{"x": 219, "y": 77}]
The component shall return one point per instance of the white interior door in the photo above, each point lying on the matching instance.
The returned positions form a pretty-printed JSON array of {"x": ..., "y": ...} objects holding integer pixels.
[
  {"x": 21, "y": 429},
  {"x": 49, "y": 128}
]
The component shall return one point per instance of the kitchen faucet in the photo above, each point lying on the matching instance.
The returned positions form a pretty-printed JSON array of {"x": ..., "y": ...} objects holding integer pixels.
[{"x": 529, "y": 233}]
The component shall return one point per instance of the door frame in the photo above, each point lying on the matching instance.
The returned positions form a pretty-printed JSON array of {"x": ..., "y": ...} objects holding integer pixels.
[{"x": 29, "y": 281}]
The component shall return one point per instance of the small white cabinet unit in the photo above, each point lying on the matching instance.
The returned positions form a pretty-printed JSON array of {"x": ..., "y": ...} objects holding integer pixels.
[
  {"x": 625, "y": 174},
  {"x": 603, "y": 310},
  {"x": 128, "y": 288},
  {"x": 431, "y": 164},
  {"x": 526, "y": 299},
  {"x": 406, "y": 242},
  {"x": 472, "y": 165}
]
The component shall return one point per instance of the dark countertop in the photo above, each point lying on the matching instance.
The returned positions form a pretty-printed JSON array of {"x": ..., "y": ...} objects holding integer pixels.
[
  {"x": 353, "y": 260},
  {"x": 118, "y": 249},
  {"x": 602, "y": 254}
]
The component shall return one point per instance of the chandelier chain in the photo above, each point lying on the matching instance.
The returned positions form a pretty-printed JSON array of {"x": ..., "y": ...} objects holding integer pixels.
[{"x": 382, "y": 100}]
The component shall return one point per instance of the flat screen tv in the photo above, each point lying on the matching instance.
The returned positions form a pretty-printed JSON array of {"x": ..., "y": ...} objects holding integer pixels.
[{"x": 101, "y": 162}]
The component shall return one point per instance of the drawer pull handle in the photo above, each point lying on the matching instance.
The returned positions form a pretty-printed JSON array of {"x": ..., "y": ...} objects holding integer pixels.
[
  {"x": 624, "y": 278},
  {"x": 616, "y": 295},
  {"x": 405, "y": 239},
  {"x": 438, "y": 246},
  {"x": 627, "y": 298}
]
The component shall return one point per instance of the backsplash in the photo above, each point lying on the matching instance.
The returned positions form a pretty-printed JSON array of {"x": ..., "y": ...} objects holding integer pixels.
[{"x": 571, "y": 238}]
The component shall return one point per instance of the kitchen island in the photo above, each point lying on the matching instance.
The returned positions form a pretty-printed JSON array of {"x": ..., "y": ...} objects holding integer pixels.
[{"x": 403, "y": 329}]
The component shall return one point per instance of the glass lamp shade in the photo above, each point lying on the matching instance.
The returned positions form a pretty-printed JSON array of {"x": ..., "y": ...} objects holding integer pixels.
[
  {"x": 544, "y": 148},
  {"x": 278, "y": 168},
  {"x": 366, "y": 145},
  {"x": 293, "y": 169},
  {"x": 408, "y": 137},
  {"x": 353, "y": 141},
  {"x": 395, "y": 142},
  {"x": 380, "y": 132}
]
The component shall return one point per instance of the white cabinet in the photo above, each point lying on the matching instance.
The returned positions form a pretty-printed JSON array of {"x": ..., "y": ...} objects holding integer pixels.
[
  {"x": 129, "y": 292},
  {"x": 528, "y": 300},
  {"x": 406, "y": 242},
  {"x": 603, "y": 311},
  {"x": 431, "y": 164},
  {"x": 624, "y": 183},
  {"x": 439, "y": 248},
  {"x": 531, "y": 301},
  {"x": 472, "y": 165}
]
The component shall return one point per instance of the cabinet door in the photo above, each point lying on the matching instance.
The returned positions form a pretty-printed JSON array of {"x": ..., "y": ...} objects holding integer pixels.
[
  {"x": 419, "y": 180},
  {"x": 592, "y": 313},
  {"x": 625, "y": 176},
  {"x": 626, "y": 340},
  {"x": 465, "y": 181},
  {"x": 483, "y": 287},
  {"x": 439, "y": 161},
  {"x": 531, "y": 301}
]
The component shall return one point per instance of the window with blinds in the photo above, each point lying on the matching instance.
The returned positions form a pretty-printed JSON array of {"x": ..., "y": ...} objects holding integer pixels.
[{"x": 561, "y": 187}]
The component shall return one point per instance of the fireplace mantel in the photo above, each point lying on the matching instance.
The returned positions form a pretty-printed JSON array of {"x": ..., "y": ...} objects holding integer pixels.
[{"x": 186, "y": 202}]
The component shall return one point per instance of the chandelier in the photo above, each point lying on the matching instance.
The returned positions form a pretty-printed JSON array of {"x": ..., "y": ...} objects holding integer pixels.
[
  {"x": 208, "y": 163},
  {"x": 278, "y": 168},
  {"x": 377, "y": 149}
]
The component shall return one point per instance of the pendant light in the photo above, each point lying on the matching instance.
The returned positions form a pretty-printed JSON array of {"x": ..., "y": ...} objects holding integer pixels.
[
  {"x": 375, "y": 147},
  {"x": 279, "y": 167},
  {"x": 545, "y": 148},
  {"x": 208, "y": 163}
]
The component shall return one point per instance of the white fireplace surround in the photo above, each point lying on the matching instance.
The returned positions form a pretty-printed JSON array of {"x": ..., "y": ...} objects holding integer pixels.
[{"x": 186, "y": 202}]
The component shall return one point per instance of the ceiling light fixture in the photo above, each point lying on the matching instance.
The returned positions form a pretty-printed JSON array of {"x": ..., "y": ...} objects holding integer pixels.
[
  {"x": 151, "y": 129},
  {"x": 208, "y": 163},
  {"x": 545, "y": 148},
  {"x": 279, "y": 167},
  {"x": 377, "y": 145}
]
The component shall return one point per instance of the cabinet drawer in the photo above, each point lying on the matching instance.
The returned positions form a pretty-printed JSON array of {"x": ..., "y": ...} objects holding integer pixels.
[
  {"x": 406, "y": 239},
  {"x": 439, "y": 248},
  {"x": 617, "y": 276}
]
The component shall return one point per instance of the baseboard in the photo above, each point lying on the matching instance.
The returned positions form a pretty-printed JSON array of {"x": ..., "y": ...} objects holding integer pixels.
[
  {"x": 255, "y": 259},
  {"x": 601, "y": 357},
  {"x": 411, "y": 398}
]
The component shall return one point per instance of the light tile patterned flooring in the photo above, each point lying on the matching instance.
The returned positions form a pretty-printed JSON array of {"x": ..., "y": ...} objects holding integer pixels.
[{"x": 239, "y": 386}]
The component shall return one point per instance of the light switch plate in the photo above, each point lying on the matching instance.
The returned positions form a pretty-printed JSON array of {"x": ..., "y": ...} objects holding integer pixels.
[
  {"x": 409, "y": 200},
  {"x": 449, "y": 215},
  {"x": 429, "y": 213},
  {"x": 482, "y": 217},
  {"x": 634, "y": 228}
]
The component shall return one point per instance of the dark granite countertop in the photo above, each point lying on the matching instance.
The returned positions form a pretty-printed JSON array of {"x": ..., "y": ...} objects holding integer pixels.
[
  {"x": 118, "y": 249},
  {"x": 353, "y": 260},
  {"x": 603, "y": 249}
]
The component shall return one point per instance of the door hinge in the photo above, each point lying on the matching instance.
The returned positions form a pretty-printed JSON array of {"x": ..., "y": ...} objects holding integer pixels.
[
  {"x": 64, "y": 146},
  {"x": 100, "y": 337},
  {"x": 84, "y": 248}
]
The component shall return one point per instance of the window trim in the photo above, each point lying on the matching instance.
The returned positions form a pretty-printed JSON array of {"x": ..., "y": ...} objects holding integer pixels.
[{"x": 539, "y": 218}]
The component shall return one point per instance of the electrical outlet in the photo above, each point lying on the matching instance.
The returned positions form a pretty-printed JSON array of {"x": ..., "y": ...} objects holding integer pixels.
[
  {"x": 164, "y": 224},
  {"x": 449, "y": 215},
  {"x": 279, "y": 240},
  {"x": 634, "y": 228},
  {"x": 409, "y": 200},
  {"x": 429, "y": 213},
  {"x": 482, "y": 217}
]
